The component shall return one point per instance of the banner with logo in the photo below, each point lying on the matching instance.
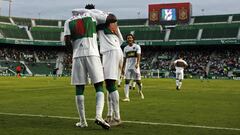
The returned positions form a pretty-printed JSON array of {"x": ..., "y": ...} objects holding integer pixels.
[{"x": 169, "y": 14}]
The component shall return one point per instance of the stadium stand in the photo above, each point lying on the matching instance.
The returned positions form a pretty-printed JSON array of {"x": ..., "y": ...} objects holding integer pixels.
[
  {"x": 46, "y": 33},
  {"x": 184, "y": 33},
  {"x": 13, "y": 31},
  {"x": 150, "y": 35},
  {"x": 211, "y": 19},
  {"x": 127, "y": 22},
  {"x": 144, "y": 32},
  {"x": 45, "y": 22},
  {"x": 22, "y": 21},
  {"x": 230, "y": 32},
  {"x": 210, "y": 42},
  {"x": 5, "y": 19},
  {"x": 236, "y": 18}
]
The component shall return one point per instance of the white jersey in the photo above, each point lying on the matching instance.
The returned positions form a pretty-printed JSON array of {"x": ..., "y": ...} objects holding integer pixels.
[
  {"x": 130, "y": 53},
  {"x": 112, "y": 56},
  {"x": 109, "y": 41},
  {"x": 180, "y": 64},
  {"x": 82, "y": 29}
]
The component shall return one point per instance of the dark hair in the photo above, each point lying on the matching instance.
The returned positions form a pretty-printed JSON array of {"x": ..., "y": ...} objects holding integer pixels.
[
  {"x": 130, "y": 35},
  {"x": 111, "y": 18},
  {"x": 90, "y": 6},
  {"x": 181, "y": 55}
]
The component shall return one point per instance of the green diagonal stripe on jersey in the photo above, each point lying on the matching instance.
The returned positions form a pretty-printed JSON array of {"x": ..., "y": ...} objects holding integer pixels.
[{"x": 82, "y": 27}]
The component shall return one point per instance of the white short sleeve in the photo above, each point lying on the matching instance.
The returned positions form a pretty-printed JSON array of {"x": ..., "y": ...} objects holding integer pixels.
[
  {"x": 138, "y": 49},
  {"x": 99, "y": 15},
  {"x": 66, "y": 28}
]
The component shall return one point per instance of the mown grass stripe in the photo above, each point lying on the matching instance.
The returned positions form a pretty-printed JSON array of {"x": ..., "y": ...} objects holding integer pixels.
[{"x": 132, "y": 122}]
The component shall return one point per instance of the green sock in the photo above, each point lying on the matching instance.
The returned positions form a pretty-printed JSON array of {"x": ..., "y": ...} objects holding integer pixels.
[
  {"x": 110, "y": 84},
  {"x": 98, "y": 87},
  {"x": 79, "y": 89}
]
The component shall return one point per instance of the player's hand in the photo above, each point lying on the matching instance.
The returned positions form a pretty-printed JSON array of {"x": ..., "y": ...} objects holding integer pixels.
[{"x": 136, "y": 65}]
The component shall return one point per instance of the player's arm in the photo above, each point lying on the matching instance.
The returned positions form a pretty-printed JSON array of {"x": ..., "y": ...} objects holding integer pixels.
[
  {"x": 67, "y": 37},
  {"x": 124, "y": 61},
  {"x": 120, "y": 35},
  {"x": 138, "y": 61},
  {"x": 111, "y": 23},
  {"x": 138, "y": 57},
  {"x": 185, "y": 64},
  {"x": 115, "y": 29},
  {"x": 174, "y": 63},
  {"x": 99, "y": 15},
  {"x": 79, "y": 11},
  {"x": 68, "y": 42},
  {"x": 123, "y": 66}
]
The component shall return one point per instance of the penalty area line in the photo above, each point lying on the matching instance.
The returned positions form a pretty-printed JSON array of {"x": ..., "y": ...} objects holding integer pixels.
[{"x": 132, "y": 122}]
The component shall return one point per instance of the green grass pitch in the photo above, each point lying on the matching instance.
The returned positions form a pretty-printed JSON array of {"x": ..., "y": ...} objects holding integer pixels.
[{"x": 44, "y": 106}]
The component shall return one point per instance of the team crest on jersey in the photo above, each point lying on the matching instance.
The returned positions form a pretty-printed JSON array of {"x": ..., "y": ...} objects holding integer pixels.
[{"x": 183, "y": 13}]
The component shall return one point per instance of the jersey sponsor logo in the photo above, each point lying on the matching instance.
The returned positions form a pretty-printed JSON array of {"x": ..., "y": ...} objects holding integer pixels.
[
  {"x": 131, "y": 54},
  {"x": 180, "y": 64}
]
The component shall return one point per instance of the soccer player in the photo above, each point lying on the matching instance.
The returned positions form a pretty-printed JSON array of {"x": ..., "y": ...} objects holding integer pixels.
[
  {"x": 54, "y": 73},
  {"x": 180, "y": 65},
  {"x": 110, "y": 39},
  {"x": 18, "y": 71},
  {"x": 80, "y": 34},
  {"x": 131, "y": 66},
  {"x": 205, "y": 75}
]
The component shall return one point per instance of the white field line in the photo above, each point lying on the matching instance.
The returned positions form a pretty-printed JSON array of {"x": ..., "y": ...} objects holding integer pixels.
[{"x": 133, "y": 122}]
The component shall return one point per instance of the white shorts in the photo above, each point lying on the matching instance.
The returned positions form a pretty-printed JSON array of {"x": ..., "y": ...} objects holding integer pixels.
[
  {"x": 84, "y": 66},
  {"x": 112, "y": 64},
  {"x": 133, "y": 74},
  {"x": 179, "y": 75}
]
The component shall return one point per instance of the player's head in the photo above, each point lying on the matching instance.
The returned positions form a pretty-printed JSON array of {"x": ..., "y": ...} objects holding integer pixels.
[
  {"x": 90, "y": 6},
  {"x": 130, "y": 38},
  {"x": 181, "y": 55},
  {"x": 111, "y": 18}
]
